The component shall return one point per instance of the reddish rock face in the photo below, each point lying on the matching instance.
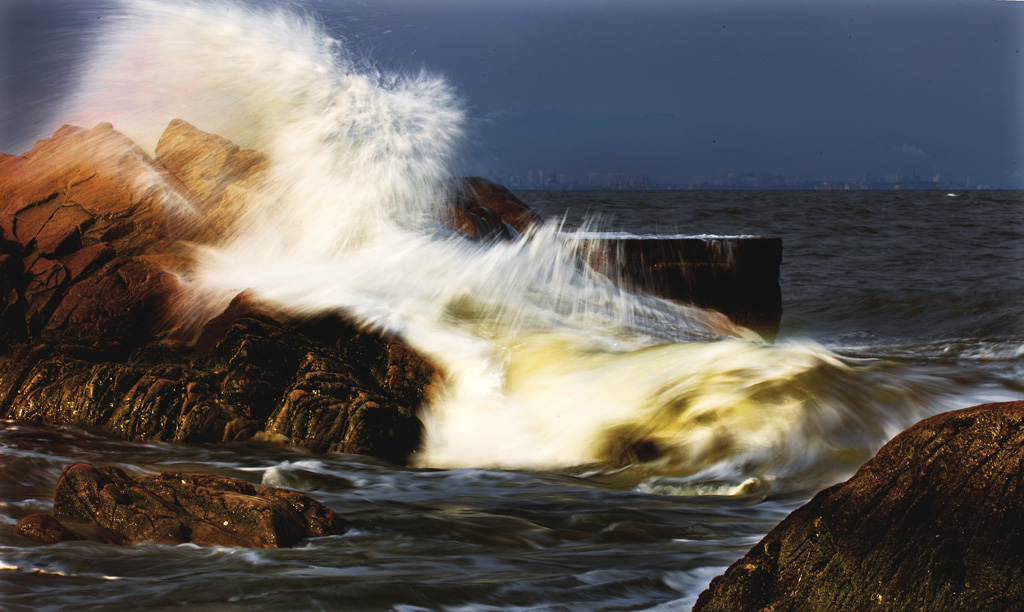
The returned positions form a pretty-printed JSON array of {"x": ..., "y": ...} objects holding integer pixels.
[
  {"x": 933, "y": 522},
  {"x": 481, "y": 209},
  {"x": 108, "y": 505},
  {"x": 82, "y": 228},
  {"x": 88, "y": 256}
]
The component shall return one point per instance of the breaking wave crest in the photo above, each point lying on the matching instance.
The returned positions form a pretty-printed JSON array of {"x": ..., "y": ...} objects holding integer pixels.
[{"x": 548, "y": 364}]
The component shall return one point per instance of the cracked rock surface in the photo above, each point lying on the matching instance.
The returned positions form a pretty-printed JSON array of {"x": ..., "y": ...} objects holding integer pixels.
[
  {"x": 90, "y": 253},
  {"x": 935, "y": 521}
]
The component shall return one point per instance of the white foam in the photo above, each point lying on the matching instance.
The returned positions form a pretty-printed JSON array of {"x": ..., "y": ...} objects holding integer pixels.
[
  {"x": 590, "y": 235},
  {"x": 548, "y": 364}
]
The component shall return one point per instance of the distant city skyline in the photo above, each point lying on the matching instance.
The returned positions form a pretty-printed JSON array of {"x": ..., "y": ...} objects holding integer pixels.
[
  {"x": 671, "y": 90},
  {"x": 830, "y": 91},
  {"x": 552, "y": 179}
]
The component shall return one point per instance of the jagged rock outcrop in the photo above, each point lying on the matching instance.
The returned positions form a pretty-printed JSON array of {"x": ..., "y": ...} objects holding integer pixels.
[
  {"x": 935, "y": 521},
  {"x": 106, "y": 504},
  {"x": 324, "y": 384},
  {"x": 89, "y": 259},
  {"x": 82, "y": 255}
]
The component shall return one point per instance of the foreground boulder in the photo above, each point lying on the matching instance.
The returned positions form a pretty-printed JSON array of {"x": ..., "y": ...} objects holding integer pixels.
[
  {"x": 89, "y": 263},
  {"x": 935, "y": 521},
  {"x": 106, "y": 504}
]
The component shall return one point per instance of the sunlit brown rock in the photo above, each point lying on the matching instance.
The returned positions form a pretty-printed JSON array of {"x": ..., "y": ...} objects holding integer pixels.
[
  {"x": 481, "y": 209},
  {"x": 935, "y": 521},
  {"x": 217, "y": 174},
  {"x": 81, "y": 218},
  {"x": 89, "y": 258}
]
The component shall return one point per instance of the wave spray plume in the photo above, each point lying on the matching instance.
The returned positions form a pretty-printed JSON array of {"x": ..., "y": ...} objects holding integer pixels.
[{"x": 548, "y": 364}]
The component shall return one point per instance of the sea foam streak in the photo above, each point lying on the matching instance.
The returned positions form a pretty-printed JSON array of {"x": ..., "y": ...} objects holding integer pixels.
[{"x": 548, "y": 364}]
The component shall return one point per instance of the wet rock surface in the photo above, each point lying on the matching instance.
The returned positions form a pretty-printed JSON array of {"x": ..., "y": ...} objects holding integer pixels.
[
  {"x": 935, "y": 521},
  {"x": 484, "y": 210},
  {"x": 108, "y": 505},
  {"x": 735, "y": 275},
  {"x": 325, "y": 385},
  {"x": 93, "y": 235},
  {"x": 89, "y": 264}
]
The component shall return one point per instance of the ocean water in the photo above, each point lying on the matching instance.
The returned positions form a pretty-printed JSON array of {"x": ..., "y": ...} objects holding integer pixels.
[
  {"x": 897, "y": 305},
  {"x": 915, "y": 286}
]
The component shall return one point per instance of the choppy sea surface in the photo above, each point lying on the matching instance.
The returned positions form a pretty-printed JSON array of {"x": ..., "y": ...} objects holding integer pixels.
[{"x": 917, "y": 292}]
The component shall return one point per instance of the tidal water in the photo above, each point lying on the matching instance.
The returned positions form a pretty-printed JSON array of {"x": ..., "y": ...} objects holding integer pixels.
[
  {"x": 925, "y": 286},
  {"x": 897, "y": 305}
]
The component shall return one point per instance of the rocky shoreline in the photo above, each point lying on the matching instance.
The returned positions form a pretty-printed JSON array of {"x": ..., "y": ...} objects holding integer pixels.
[
  {"x": 94, "y": 331},
  {"x": 90, "y": 330},
  {"x": 91, "y": 333}
]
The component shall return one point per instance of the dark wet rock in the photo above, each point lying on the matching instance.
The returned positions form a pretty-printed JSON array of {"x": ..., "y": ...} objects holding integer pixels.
[
  {"x": 935, "y": 521},
  {"x": 89, "y": 257},
  {"x": 106, "y": 504},
  {"x": 44, "y": 528},
  {"x": 323, "y": 384},
  {"x": 735, "y": 275},
  {"x": 481, "y": 209}
]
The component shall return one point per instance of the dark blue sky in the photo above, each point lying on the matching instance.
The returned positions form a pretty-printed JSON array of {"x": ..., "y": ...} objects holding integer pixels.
[{"x": 673, "y": 89}]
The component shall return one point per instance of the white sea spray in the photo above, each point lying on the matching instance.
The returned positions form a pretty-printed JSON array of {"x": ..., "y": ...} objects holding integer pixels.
[{"x": 548, "y": 364}]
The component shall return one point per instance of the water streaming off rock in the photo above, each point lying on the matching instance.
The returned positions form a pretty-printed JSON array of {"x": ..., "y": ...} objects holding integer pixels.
[
  {"x": 548, "y": 364},
  {"x": 591, "y": 446}
]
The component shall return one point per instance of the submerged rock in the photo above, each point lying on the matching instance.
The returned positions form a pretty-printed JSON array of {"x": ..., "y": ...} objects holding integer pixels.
[
  {"x": 106, "y": 504},
  {"x": 45, "y": 529},
  {"x": 935, "y": 521}
]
